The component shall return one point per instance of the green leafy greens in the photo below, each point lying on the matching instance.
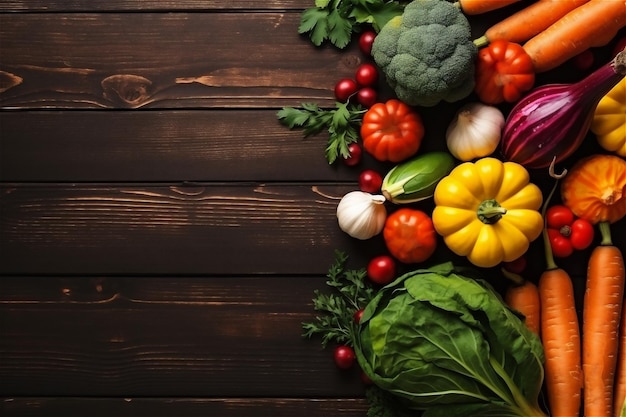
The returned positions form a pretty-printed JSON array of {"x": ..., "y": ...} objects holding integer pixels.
[
  {"x": 336, "y": 20},
  {"x": 342, "y": 123},
  {"x": 447, "y": 344}
]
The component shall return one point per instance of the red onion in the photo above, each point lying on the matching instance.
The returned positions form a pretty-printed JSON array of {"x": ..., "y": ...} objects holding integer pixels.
[{"x": 552, "y": 120}]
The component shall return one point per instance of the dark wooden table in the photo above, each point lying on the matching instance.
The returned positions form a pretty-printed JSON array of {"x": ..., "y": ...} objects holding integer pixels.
[{"x": 161, "y": 234}]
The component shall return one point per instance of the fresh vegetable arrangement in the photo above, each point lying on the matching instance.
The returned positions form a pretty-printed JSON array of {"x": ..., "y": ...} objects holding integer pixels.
[{"x": 432, "y": 335}]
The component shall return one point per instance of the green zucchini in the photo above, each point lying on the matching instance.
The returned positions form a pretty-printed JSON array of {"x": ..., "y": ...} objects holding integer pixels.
[{"x": 416, "y": 179}]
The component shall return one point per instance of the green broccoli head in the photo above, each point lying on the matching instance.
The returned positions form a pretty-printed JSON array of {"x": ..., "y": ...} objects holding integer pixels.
[{"x": 427, "y": 54}]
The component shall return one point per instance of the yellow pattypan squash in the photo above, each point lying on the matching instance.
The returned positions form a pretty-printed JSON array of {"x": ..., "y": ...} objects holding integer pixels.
[
  {"x": 488, "y": 211},
  {"x": 609, "y": 120}
]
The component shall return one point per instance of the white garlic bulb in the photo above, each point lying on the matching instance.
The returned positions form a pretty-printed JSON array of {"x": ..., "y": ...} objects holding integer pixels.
[
  {"x": 475, "y": 131},
  {"x": 361, "y": 215}
]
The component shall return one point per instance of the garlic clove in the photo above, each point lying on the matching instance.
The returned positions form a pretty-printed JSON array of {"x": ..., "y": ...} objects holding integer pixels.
[{"x": 361, "y": 215}]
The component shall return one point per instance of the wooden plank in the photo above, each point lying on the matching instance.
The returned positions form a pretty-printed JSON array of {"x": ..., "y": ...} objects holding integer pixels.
[
  {"x": 196, "y": 145},
  {"x": 149, "y": 5},
  {"x": 176, "y": 228},
  {"x": 164, "y": 60},
  {"x": 165, "y": 336},
  {"x": 184, "y": 407}
]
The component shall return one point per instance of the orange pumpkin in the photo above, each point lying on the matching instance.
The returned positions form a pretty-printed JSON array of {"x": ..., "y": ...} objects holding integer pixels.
[{"x": 595, "y": 188}]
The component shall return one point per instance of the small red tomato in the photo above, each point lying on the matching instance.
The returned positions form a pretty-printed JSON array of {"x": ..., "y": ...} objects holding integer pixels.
[
  {"x": 367, "y": 97},
  {"x": 366, "y": 379},
  {"x": 365, "y": 42},
  {"x": 558, "y": 216},
  {"x": 344, "y": 357},
  {"x": 517, "y": 266},
  {"x": 381, "y": 269},
  {"x": 561, "y": 246},
  {"x": 344, "y": 89},
  {"x": 370, "y": 181},
  {"x": 366, "y": 75},
  {"x": 582, "y": 234},
  {"x": 355, "y": 155},
  {"x": 357, "y": 315},
  {"x": 584, "y": 60}
]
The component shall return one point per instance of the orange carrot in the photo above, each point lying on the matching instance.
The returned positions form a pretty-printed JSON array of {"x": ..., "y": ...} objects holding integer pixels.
[
  {"x": 592, "y": 24},
  {"x": 602, "y": 309},
  {"x": 529, "y": 21},
  {"x": 472, "y": 7},
  {"x": 560, "y": 334},
  {"x": 620, "y": 377},
  {"x": 523, "y": 296}
]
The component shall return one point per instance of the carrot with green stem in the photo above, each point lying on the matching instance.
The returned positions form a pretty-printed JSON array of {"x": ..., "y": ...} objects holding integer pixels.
[
  {"x": 595, "y": 189},
  {"x": 560, "y": 332},
  {"x": 592, "y": 24},
  {"x": 529, "y": 21}
]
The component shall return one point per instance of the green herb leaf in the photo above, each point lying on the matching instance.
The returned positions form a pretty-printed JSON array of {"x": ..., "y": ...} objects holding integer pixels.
[{"x": 342, "y": 124}]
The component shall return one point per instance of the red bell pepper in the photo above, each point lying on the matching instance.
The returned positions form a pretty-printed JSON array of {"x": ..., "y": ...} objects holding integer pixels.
[
  {"x": 566, "y": 232},
  {"x": 504, "y": 71}
]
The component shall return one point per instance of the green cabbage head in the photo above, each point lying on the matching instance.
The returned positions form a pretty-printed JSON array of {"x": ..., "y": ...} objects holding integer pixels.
[{"x": 443, "y": 341}]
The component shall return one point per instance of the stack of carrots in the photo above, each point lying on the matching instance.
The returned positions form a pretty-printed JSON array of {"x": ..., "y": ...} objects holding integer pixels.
[
  {"x": 554, "y": 31},
  {"x": 583, "y": 371}
]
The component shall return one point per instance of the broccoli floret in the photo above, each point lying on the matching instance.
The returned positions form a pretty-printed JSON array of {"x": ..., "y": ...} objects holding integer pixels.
[{"x": 427, "y": 54}]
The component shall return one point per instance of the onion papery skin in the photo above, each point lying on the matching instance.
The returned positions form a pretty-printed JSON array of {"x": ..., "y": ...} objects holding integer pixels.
[{"x": 551, "y": 122}]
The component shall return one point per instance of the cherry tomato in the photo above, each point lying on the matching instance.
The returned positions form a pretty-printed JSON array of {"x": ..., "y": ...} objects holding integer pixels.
[
  {"x": 366, "y": 379},
  {"x": 366, "y": 75},
  {"x": 517, "y": 266},
  {"x": 381, "y": 269},
  {"x": 566, "y": 232},
  {"x": 370, "y": 181},
  {"x": 345, "y": 88},
  {"x": 367, "y": 97},
  {"x": 365, "y": 42},
  {"x": 344, "y": 357},
  {"x": 355, "y": 154},
  {"x": 558, "y": 216},
  {"x": 561, "y": 246},
  {"x": 584, "y": 60},
  {"x": 357, "y": 315},
  {"x": 582, "y": 234}
]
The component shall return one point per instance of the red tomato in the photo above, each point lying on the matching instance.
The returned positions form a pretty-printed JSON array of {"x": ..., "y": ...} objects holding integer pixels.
[
  {"x": 410, "y": 235},
  {"x": 381, "y": 269},
  {"x": 504, "y": 71},
  {"x": 558, "y": 216},
  {"x": 366, "y": 75},
  {"x": 566, "y": 232},
  {"x": 357, "y": 315},
  {"x": 561, "y": 246},
  {"x": 584, "y": 60},
  {"x": 365, "y": 42},
  {"x": 344, "y": 89},
  {"x": 355, "y": 155},
  {"x": 582, "y": 234},
  {"x": 517, "y": 266},
  {"x": 344, "y": 357},
  {"x": 366, "y": 97},
  {"x": 392, "y": 131},
  {"x": 370, "y": 181}
]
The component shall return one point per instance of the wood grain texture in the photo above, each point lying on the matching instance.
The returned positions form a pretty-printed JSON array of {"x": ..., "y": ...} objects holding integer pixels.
[
  {"x": 164, "y": 336},
  {"x": 185, "y": 229},
  {"x": 150, "y": 5},
  {"x": 182, "y": 145},
  {"x": 183, "y": 407},
  {"x": 163, "y": 60}
]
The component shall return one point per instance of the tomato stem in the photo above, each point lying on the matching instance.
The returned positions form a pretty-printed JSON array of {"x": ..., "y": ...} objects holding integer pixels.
[{"x": 490, "y": 211}]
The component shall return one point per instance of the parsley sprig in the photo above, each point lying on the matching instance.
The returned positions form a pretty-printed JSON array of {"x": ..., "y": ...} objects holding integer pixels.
[
  {"x": 336, "y": 20},
  {"x": 350, "y": 294},
  {"x": 342, "y": 123}
]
